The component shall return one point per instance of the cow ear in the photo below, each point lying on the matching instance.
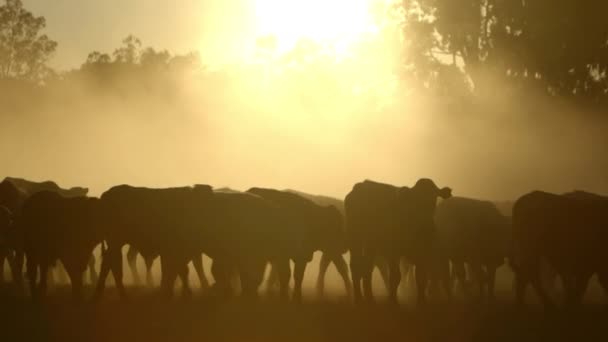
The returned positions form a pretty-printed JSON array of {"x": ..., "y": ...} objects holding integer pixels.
[{"x": 445, "y": 193}]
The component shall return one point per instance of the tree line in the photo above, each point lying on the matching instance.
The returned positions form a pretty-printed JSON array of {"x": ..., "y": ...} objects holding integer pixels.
[{"x": 459, "y": 48}]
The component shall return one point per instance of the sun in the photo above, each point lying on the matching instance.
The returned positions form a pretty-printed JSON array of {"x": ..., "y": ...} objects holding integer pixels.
[{"x": 337, "y": 22}]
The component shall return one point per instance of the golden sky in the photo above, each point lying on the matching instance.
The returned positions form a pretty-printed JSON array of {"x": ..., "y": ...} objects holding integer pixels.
[
  {"x": 317, "y": 127},
  {"x": 218, "y": 28},
  {"x": 224, "y": 31}
]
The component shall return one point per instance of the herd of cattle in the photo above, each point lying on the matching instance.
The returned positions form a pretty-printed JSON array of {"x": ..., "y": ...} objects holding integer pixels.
[{"x": 242, "y": 232}]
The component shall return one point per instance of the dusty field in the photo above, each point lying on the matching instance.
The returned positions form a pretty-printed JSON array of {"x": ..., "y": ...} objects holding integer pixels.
[{"x": 145, "y": 317}]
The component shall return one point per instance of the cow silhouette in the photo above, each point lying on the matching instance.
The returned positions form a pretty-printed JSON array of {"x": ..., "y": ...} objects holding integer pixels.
[
  {"x": 476, "y": 233},
  {"x": 314, "y": 228},
  {"x": 59, "y": 228},
  {"x": 13, "y": 194},
  {"x": 384, "y": 220},
  {"x": 569, "y": 231}
]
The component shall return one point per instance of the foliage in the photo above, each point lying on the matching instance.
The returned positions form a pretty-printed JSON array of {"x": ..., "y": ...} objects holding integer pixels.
[{"x": 24, "y": 51}]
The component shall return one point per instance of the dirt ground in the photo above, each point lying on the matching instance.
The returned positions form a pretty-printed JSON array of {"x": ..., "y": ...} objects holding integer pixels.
[{"x": 146, "y": 317}]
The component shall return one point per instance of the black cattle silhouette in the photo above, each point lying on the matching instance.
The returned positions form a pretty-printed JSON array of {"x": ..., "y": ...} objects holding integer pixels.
[
  {"x": 250, "y": 232},
  {"x": 569, "y": 231},
  {"x": 30, "y": 187},
  {"x": 476, "y": 233},
  {"x": 326, "y": 258},
  {"x": 13, "y": 194},
  {"x": 7, "y": 244},
  {"x": 384, "y": 220},
  {"x": 59, "y": 228},
  {"x": 315, "y": 228},
  {"x": 197, "y": 263},
  {"x": 239, "y": 231},
  {"x": 154, "y": 222},
  {"x": 11, "y": 199},
  {"x": 341, "y": 265}
]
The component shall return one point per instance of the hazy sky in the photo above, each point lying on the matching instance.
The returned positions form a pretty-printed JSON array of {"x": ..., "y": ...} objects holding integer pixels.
[{"x": 219, "y": 29}]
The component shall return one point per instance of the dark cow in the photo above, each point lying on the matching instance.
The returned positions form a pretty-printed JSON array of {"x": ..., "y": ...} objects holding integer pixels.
[
  {"x": 570, "y": 232},
  {"x": 154, "y": 222},
  {"x": 339, "y": 245},
  {"x": 11, "y": 197},
  {"x": 13, "y": 194},
  {"x": 476, "y": 233},
  {"x": 314, "y": 228},
  {"x": 6, "y": 244},
  {"x": 384, "y": 220},
  {"x": 132, "y": 253},
  {"x": 248, "y": 232},
  {"x": 341, "y": 266},
  {"x": 31, "y": 188},
  {"x": 239, "y": 231},
  {"x": 11, "y": 200},
  {"x": 59, "y": 228}
]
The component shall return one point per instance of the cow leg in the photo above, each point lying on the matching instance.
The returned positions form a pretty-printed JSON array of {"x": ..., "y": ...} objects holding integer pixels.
[
  {"x": 273, "y": 278},
  {"x": 3, "y": 256},
  {"x": 342, "y": 269},
  {"x": 149, "y": 262},
  {"x": 323, "y": 266},
  {"x": 383, "y": 268},
  {"x": 104, "y": 269},
  {"x": 477, "y": 276},
  {"x": 580, "y": 287},
  {"x": 168, "y": 276},
  {"x": 603, "y": 279},
  {"x": 51, "y": 275},
  {"x": 356, "y": 273},
  {"x": 76, "y": 281},
  {"x": 538, "y": 288},
  {"x": 394, "y": 279},
  {"x": 44, "y": 272},
  {"x": 118, "y": 276},
  {"x": 445, "y": 277},
  {"x": 115, "y": 260},
  {"x": 521, "y": 283},
  {"x": 406, "y": 268},
  {"x": 92, "y": 272},
  {"x": 62, "y": 275},
  {"x": 284, "y": 272},
  {"x": 183, "y": 276},
  {"x": 252, "y": 275},
  {"x": 368, "y": 268},
  {"x": 529, "y": 273},
  {"x": 197, "y": 263},
  {"x": 32, "y": 275},
  {"x": 460, "y": 275},
  {"x": 132, "y": 262},
  {"x": 421, "y": 282},
  {"x": 16, "y": 272},
  {"x": 298, "y": 277},
  {"x": 491, "y": 283},
  {"x": 19, "y": 262},
  {"x": 221, "y": 273}
]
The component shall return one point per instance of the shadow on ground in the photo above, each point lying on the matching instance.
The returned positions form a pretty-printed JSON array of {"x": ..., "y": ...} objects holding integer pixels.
[{"x": 145, "y": 317}]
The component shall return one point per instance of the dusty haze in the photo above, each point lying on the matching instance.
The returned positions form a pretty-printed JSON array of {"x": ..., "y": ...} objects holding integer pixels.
[{"x": 274, "y": 119}]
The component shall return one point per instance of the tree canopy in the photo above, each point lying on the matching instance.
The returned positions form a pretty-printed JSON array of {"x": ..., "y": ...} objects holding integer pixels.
[{"x": 24, "y": 50}]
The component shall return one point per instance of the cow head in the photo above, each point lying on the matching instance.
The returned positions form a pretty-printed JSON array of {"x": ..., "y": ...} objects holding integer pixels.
[
  {"x": 419, "y": 202},
  {"x": 77, "y": 192},
  {"x": 10, "y": 196}
]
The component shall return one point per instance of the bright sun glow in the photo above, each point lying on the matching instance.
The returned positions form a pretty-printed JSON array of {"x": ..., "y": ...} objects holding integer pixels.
[{"x": 338, "y": 22}]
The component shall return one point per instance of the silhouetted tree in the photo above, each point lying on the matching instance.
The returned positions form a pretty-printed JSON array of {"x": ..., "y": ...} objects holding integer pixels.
[
  {"x": 560, "y": 45},
  {"x": 24, "y": 51}
]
